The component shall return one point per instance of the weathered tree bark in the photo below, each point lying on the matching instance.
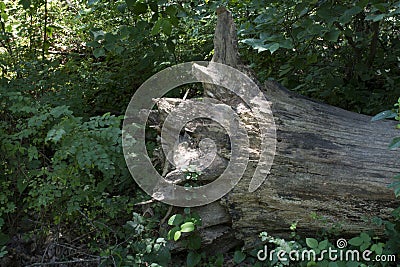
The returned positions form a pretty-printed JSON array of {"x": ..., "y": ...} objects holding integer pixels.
[{"x": 330, "y": 162}]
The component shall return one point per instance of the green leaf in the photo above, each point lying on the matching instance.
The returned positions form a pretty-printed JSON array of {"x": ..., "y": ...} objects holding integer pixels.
[
  {"x": 323, "y": 244},
  {"x": 55, "y": 135},
  {"x": 33, "y": 153},
  {"x": 364, "y": 246},
  {"x": 25, "y": 3},
  {"x": 312, "y": 243},
  {"x": 352, "y": 264},
  {"x": 273, "y": 47},
  {"x": 375, "y": 18},
  {"x": 166, "y": 27},
  {"x": 395, "y": 143},
  {"x": 332, "y": 36},
  {"x": 365, "y": 237},
  {"x": 157, "y": 27},
  {"x": 177, "y": 235},
  {"x": 130, "y": 3},
  {"x": 110, "y": 38},
  {"x": 387, "y": 114},
  {"x": 21, "y": 185},
  {"x": 356, "y": 241},
  {"x": 163, "y": 25},
  {"x": 349, "y": 13},
  {"x": 239, "y": 256},
  {"x": 171, "y": 233},
  {"x": 187, "y": 227},
  {"x": 99, "y": 52},
  {"x": 153, "y": 6},
  {"x": 175, "y": 219},
  {"x": 194, "y": 242},
  {"x": 93, "y": 44},
  {"x": 171, "y": 10},
  {"x": 3, "y": 6},
  {"x": 139, "y": 8},
  {"x": 92, "y": 2},
  {"x": 98, "y": 35},
  {"x": 193, "y": 258},
  {"x": 256, "y": 44},
  {"x": 121, "y": 8}
]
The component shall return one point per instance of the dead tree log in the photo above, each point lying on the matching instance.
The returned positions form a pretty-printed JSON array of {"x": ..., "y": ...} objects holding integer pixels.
[{"x": 329, "y": 161}]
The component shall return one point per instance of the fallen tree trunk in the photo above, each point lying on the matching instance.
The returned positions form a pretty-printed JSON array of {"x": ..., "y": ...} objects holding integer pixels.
[{"x": 329, "y": 163}]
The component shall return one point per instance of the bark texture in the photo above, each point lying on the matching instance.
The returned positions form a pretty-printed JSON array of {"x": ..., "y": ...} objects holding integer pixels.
[{"x": 329, "y": 162}]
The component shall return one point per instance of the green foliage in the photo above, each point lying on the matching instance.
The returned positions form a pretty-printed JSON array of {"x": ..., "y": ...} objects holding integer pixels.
[
  {"x": 343, "y": 53},
  {"x": 69, "y": 68},
  {"x": 395, "y": 143},
  {"x": 184, "y": 226}
]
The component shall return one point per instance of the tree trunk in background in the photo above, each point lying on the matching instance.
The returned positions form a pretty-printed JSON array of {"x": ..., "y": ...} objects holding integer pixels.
[{"x": 330, "y": 162}]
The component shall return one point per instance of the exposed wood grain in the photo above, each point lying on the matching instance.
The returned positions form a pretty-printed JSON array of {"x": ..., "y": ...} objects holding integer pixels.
[{"x": 329, "y": 162}]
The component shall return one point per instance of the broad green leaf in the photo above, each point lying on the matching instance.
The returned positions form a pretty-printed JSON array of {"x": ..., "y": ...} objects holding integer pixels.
[
  {"x": 375, "y": 18},
  {"x": 177, "y": 235},
  {"x": 364, "y": 246},
  {"x": 387, "y": 114},
  {"x": 163, "y": 25},
  {"x": 121, "y": 8},
  {"x": 55, "y": 135},
  {"x": 255, "y": 43},
  {"x": 365, "y": 237},
  {"x": 356, "y": 241},
  {"x": 99, "y": 52},
  {"x": 312, "y": 243},
  {"x": 187, "y": 227},
  {"x": 25, "y": 3},
  {"x": 33, "y": 153},
  {"x": 352, "y": 264},
  {"x": 323, "y": 244},
  {"x": 110, "y": 38},
  {"x": 171, "y": 10},
  {"x": 157, "y": 27},
  {"x": 139, "y": 8},
  {"x": 171, "y": 233},
  {"x": 239, "y": 256},
  {"x": 175, "y": 219},
  {"x": 153, "y": 6},
  {"x": 93, "y": 44},
  {"x": 194, "y": 242},
  {"x": 332, "y": 36},
  {"x": 92, "y": 2},
  {"x": 193, "y": 258},
  {"x": 273, "y": 47},
  {"x": 3, "y": 6},
  {"x": 98, "y": 35},
  {"x": 21, "y": 185},
  {"x": 382, "y": 7},
  {"x": 395, "y": 143},
  {"x": 130, "y": 3},
  {"x": 166, "y": 27},
  {"x": 349, "y": 13}
]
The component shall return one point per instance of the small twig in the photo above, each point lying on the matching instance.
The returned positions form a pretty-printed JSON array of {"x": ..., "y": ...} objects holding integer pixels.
[{"x": 162, "y": 221}]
